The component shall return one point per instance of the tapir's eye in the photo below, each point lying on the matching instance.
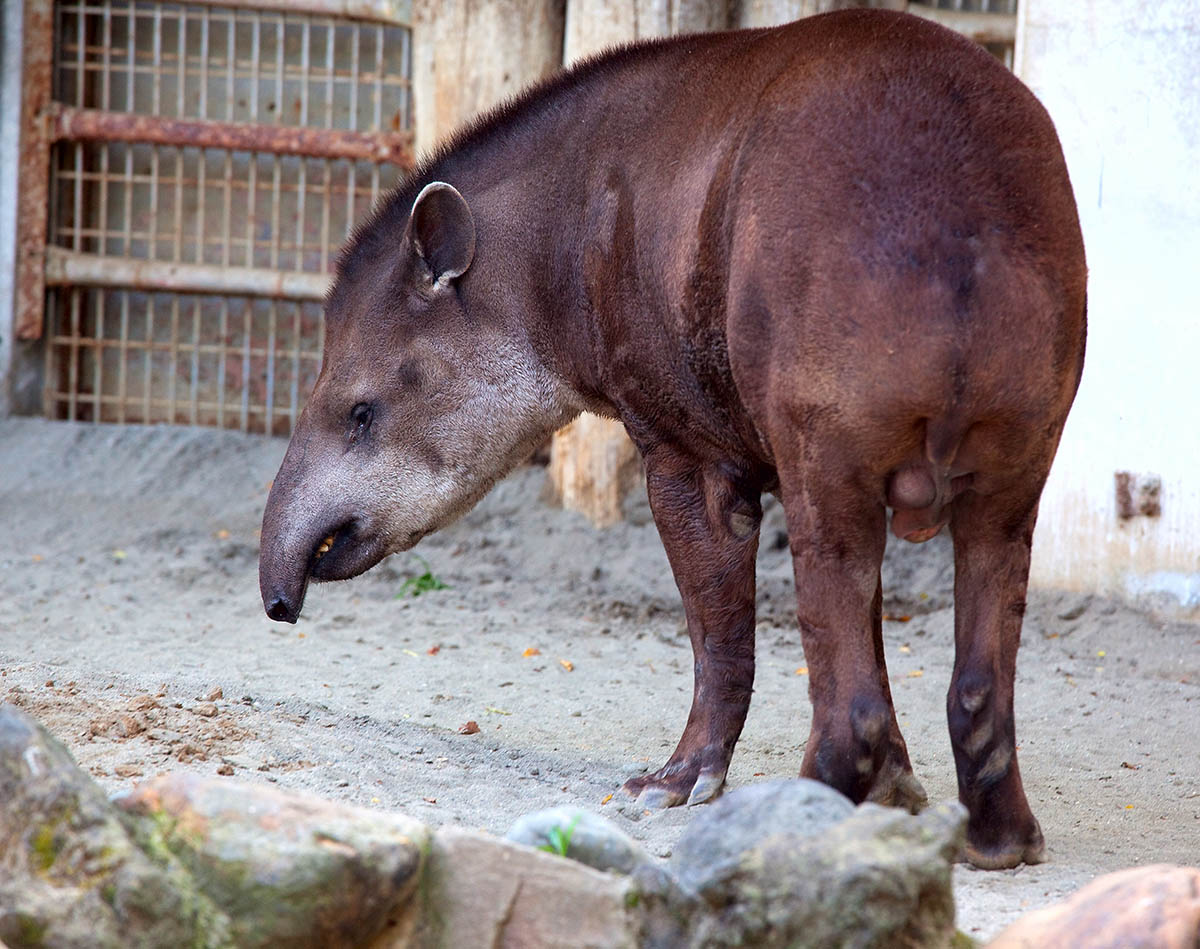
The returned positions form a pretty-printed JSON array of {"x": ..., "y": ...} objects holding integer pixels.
[{"x": 360, "y": 419}]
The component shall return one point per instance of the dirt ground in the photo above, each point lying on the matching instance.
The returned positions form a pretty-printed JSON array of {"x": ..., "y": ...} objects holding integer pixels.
[{"x": 130, "y": 625}]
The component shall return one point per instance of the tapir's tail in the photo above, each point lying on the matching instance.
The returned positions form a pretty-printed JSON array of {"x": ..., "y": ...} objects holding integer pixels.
[{"x": 920, "y": 493}]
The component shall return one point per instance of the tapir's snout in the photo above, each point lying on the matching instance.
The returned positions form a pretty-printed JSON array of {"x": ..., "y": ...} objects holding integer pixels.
[
  {"x": 283, "y": 573},
  {"x": 280, "y": 609}
]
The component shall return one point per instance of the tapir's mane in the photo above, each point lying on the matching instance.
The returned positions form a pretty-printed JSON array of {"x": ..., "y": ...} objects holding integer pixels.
[{"x": 516, "y": 115}]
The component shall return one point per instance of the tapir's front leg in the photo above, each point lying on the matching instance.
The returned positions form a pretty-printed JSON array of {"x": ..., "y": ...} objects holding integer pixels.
[{"x": 708, "y": 519}]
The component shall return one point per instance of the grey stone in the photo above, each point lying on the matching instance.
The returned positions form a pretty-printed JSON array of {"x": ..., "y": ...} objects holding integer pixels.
[
  {"x": 71, "y": 874},
  {"x": 593, "y": 840},
  {"x": 880, "y": 878},
  {"x": 287, "y": 869},
  {"x": 744, "y": 817}
]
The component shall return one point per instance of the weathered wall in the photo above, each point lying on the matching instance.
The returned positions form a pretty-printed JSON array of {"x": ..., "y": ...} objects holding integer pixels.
[{"x": 1122, "y": 82}]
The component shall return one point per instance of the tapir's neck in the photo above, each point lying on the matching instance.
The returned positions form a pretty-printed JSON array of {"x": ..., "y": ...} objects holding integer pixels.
[{"x": 600, "y": 212}]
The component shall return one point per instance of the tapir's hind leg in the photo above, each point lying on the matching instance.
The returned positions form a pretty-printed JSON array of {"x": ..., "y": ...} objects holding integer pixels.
[
  {"x": 837, "y": 531},
  {"x": 709, "y": 525},
  {"x": 992, "y": 538}
]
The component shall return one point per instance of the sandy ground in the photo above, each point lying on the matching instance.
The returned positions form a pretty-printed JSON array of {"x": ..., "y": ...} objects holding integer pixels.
[{"x": 130, "y": 625}]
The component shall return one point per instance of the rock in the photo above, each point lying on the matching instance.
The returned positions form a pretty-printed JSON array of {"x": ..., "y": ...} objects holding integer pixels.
[
  {"x": 879, "y": 878},
  {"x": 1155, "y": 907},
  {"x": 593, "y": 840},
  {"x": 287, "y": 869},
  {"x": 741, "y": 819},
  {"x": 71, "y": 875},
  {"x": 484, "y": 891}
]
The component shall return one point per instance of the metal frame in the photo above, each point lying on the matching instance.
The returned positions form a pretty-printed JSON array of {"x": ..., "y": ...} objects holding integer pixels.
[
  {"x": 96, "y": 125},
  {"x": 201, "y": 161},
  {"x": 34, "y": 172}
]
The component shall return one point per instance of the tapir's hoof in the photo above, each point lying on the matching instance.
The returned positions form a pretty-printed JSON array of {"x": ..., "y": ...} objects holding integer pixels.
[
  {"x": 669, "y": 787},
  {"x": 904, "y": 791},
  {"x": 1028, "y": 848}
]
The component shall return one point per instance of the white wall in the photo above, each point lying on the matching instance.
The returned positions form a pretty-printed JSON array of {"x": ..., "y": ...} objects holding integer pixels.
[{"x": 1122, "y": 81}]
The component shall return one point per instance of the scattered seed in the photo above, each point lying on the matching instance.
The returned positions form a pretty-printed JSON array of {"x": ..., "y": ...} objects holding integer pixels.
[{"x": 567, "y": 664}]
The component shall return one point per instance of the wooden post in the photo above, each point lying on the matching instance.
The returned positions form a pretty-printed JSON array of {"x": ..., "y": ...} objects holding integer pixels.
[
  {"x": 594, "y": 25},
  {"x": 593, "y": 464},
  {"x": 468, "y": 55},
  {"x": 752, "y": 13}
]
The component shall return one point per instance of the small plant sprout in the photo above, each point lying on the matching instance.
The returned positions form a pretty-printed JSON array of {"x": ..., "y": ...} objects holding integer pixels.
[
  {"x": 560, "y": 839},
  {"x": 423, "y": 583}
]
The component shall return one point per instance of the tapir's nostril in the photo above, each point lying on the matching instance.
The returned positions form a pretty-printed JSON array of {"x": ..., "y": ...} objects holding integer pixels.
[{"x": 280, "y": 611}]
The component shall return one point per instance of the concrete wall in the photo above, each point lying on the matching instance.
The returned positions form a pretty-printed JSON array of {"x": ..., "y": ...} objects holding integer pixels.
[
  {"x": 10, "y": 114},
  {"x": 1122, "y": 82}
]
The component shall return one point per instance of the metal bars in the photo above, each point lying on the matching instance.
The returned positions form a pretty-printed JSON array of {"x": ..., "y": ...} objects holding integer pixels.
[
  {"x": 210, "y": 161},
  {"x": 131, "y": 357}
]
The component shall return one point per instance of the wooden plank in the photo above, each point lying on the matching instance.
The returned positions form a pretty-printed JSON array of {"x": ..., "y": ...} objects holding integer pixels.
[
  {"x": 593, "y": 464},
  {"x": 33, "y": 175}
]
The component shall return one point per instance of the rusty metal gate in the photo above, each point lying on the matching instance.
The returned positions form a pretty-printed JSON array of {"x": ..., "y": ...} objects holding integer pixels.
[{"x": 201, "y": 163}]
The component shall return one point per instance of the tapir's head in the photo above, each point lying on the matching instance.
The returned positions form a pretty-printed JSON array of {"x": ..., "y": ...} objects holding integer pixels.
[{"x": 429, "y": 391}]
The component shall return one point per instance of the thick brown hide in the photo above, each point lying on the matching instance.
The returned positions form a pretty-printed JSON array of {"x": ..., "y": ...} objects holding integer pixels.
[{"x": 838, "y": 260}]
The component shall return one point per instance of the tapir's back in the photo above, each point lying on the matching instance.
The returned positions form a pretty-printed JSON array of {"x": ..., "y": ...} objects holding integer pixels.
[{"x": 906, "y": 243}]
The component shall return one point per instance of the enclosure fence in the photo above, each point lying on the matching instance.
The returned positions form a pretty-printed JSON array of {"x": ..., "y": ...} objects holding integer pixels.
[{"x": 206, "y": 163}]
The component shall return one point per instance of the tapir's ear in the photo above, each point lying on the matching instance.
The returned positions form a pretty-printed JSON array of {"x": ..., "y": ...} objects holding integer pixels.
[{"x": 442, "y": 231}]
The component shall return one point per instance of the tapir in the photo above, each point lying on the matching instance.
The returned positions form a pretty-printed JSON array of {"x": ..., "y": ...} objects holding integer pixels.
[{"x": 837, "y": 260}]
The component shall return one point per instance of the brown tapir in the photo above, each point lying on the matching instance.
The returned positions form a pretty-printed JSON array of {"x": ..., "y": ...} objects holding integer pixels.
[{"x": 838, "y": 260}]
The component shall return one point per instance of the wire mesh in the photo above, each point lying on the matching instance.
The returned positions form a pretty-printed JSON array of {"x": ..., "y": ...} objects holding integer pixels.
[
  {"x": 232, "y": 362},
  {"x": 241, "y": 362}
]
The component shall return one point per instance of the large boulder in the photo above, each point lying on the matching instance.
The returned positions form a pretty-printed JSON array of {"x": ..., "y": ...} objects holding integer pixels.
[
  {"x": 879, "y": 878},
  {"x": 743, "y": 818},
  {"x": 185, "y": 860},
  {"x": 1156, "y": 907},
  {"x": 287, "y": 869},
  {"x": 71, "y": 874}
]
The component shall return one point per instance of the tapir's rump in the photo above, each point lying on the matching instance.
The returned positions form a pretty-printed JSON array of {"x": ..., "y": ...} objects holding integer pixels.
[{"x": 838, "y": 260}]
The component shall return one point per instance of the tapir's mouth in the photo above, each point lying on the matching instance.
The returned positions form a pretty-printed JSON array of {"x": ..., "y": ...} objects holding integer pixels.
[{"x": 339, "y": 554}]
